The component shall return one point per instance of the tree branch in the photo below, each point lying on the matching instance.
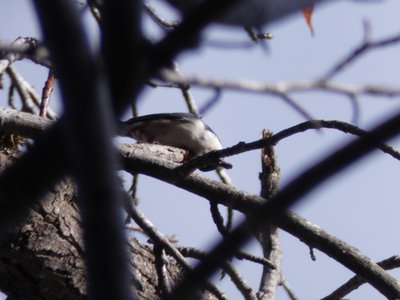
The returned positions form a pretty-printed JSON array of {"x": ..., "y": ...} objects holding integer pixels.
[
  {"x": 160, "y": 241},
  {"x": 278, "y": 88},
  {"x": 276, "y": 138},
  {"x": 244, "y": 288},
  {"x": 268, "y": 237},
  {"x": 137, "y": 159},
  {"x": 85, "y": 93},
  {"x": 273, "y": 212},
  {"x": 355, "y": 282},
  {"x": 21, "y": 48},
  {"x": 366, "y": 45}
]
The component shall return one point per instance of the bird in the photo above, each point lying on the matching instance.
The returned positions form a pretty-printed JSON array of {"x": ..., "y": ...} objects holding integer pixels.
[{"x": 181, "y": 130}]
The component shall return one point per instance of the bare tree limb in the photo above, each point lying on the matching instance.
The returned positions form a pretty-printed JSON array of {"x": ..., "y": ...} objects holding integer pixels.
[
  {"x": 29, "y": 97},
  {"x": 288, "y": 290},
  {"x": 256, "y": 259},
  {"x": 278, "y": 88},
  {"x": 355, "y": 282},
  {"x": 21, "y": 86},
  {"x": 23, "y": 47},
  {"x": 43, "y": 153},
  {"x": 162, "y": 274},
  {"x": 85, "y": 93},
  {"x": 161, "y": 241},
  {"x": 276, "y": 138},
  {"x": 236, "y": 278},
  {"x": 139, "y": 161},
  {"x": 272, "y": 212},
  {"x": 152, "y": 13},
  {"x": 33, "y": 126},
  {"x": 366, "y": 45},
  {"x": 301, "y": 228},
  {"x": 282, "y": 89},
  {"x": 136, "y": 88},
  {"x": 268, "y": 237},
  {"x": 46, "y": 93},
  {"x": 45, "y": 258}
]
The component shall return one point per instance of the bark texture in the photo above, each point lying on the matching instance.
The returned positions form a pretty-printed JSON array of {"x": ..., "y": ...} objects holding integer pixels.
[{"x": 43, "y": 258}]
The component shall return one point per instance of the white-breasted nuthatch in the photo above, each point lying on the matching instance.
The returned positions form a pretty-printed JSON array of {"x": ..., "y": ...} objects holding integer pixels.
[{"x": 181, "y": 130}]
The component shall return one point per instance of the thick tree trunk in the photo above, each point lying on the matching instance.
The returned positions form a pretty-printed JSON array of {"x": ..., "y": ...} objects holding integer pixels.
[{"x": 44, "y": 257}]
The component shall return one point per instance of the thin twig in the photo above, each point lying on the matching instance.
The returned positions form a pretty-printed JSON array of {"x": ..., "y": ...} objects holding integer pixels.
[
  {"x": 217, "y": 218},
  {"x": 191, "y": 104},
  {"x": 355, "y": 282},
  {"x": 366, "y": 45},
  {"x": 356, "y": 109},
  {"x": 152, "y": 13},
  {"x": 211, "y": 102},
  {"x": 255, "y": 37},
  {"x": 225, "y": 178},
  {"x": 189, "y": 99},
  {"x": 28, "y": 94},
  {"x": 288, "y": 289},
  {"x": 296, "y": 107},
  {"x": 20, "y": 85},
  {"x": 158, "y": 238},
  {"x": 7, "y": 119},
  {"x": 192, "y": 107},
  {"x": 135, "y": 177},
  {"x": 161, "y": 269},
  {"x": 256, "y": 259},
  {"x": 312, "y": 253},
  {"x": 276, "y": 138},
  {"x": 23, "y": 47},
  {"x": 282, "y": 89},
  {"x": 215, "y": 213},
  {"x": 237, "y": 279},
  {"x": 277, "y": 88},
  {"x": 10, "y": 97},
  {"x": 46, "y": 93},
  {"x": 273, "y": 212},
  {"x": 94, "y": 11}
]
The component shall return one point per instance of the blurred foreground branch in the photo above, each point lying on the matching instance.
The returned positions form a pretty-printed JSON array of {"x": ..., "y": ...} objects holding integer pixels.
[{"x": 139, "y": 160}]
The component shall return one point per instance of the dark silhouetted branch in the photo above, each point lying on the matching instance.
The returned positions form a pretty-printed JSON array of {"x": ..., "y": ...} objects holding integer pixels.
[
  {"x": 139, "y": 159},
  {"x": 272, "y": 212},
  {"x": 87, "y": 134}
]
